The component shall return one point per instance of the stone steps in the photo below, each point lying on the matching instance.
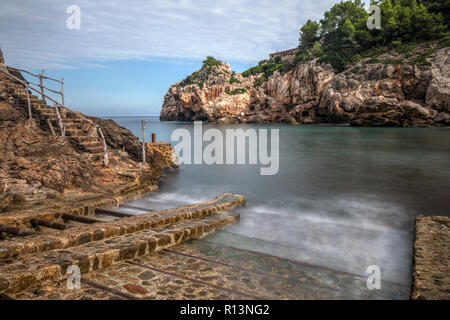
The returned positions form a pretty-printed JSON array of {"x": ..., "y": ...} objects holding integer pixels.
[
  {"x": 84, "y": 139},
  {"x": 76, "y": 236},
  {"x": 52, "y": 265},
  {"x": 75, "y": 128}
]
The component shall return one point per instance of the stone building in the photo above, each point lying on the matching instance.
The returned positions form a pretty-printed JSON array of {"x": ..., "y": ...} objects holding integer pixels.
[{"x": 284, "y": 55}]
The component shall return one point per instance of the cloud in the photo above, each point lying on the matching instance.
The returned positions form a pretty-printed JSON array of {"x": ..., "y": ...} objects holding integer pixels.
[{"x": 34, "y": 34}]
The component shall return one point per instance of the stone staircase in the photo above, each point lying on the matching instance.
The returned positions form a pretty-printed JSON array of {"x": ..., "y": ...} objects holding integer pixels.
[{"x": 81, "y": 132}]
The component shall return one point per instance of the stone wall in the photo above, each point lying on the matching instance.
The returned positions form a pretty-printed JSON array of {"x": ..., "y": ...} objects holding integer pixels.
[
  {"x": 283, "y": 54},
  {"x": 166, "y": 149},
  {"x": 431, "y": 259}
]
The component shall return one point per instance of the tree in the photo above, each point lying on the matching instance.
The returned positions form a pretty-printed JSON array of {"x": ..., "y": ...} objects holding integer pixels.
[
  {"x": 409, "y": 21},
  {"x": 439, "y": 6},
  {"x": 309, "y": 34}
]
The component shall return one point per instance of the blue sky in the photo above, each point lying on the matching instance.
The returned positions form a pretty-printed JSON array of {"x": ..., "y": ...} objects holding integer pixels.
[{"x": 127, "y": 53}]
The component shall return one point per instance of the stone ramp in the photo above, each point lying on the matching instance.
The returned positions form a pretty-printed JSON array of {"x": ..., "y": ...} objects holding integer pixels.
[
  {"x": 202, "y": 269},
  {"x": 37, "y": 259}
]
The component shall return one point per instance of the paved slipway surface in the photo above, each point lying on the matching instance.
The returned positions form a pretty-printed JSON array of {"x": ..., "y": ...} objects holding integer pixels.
[{"x": 344, "y": 199}]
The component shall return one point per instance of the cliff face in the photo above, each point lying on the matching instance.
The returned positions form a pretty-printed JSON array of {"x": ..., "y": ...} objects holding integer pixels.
[
  {"x": 209, "y": 94},
  {"x": 386, "y": 90}
]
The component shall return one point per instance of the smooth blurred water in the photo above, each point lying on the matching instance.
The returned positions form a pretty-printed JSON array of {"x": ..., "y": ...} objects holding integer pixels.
[{"x": 344, "y": 197}]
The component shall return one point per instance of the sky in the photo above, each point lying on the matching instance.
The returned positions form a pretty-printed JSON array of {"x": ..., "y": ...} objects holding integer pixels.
[{"x": 126, "y": 54}]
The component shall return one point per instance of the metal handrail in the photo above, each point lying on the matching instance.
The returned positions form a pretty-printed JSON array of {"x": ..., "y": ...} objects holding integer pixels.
[{"x": 99, "y": 129}]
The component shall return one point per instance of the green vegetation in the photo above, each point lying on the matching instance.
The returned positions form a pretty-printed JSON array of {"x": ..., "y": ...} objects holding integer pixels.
[
  {"x": 237, "y": 91},
  {"x": 373, "y": 61},
  {"x": 302, "y": 56},
  {"x": 260, "y": 81},
  {"x": 194, "y": 78},
  {"x": 343, "y": 37},
  {"x": 309, "y": 34},
  {"x": 439, "y": 6},
  {"x": 199, "y": 77},
  {"x": 233, "y": 79},
  {"x": 393, "y": 61},
  {"x": 210, "y": 62},
  {"x": 421, "y": 60},
  {"x": 268, "y": 69}
]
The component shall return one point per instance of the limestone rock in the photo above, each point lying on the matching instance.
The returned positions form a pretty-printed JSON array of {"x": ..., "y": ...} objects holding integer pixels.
[
  {"x": 438, "y": 93},
  {"x": 311, "y": 92}
]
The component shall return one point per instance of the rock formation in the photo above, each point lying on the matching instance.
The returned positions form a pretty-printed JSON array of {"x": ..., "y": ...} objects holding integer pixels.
[
  {"x": 38, "y": 168},
  {"x": 390, "y": 89}
]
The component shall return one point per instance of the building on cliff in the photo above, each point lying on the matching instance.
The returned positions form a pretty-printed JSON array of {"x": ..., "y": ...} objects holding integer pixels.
[{"x": 284, "y": 55}]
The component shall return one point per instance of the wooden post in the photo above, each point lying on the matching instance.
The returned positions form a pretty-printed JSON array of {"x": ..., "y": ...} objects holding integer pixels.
[
  {"x": 62, "y": 91},
  {"x": 60, "y": 120},
  {"x": 81, "y": 219},
  {"x": 153, "y": 137},
  {"x": 105, "y": 147},
  {"x": 29, "y": 104},
  {"x": 48, "y": 224},
  {"x": 113, "y": 213},
  {"x": 143, "y": 123},
  {"x": 41, "y": 84},
  {"x": 16, "y": 231},
  {"x": 51, "y": 127}
]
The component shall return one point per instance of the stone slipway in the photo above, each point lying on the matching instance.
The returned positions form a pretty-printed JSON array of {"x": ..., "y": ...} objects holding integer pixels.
[
  {"x": 40, "y": 258},
  {"x": 431, "y": 279},
  {"x": 78, "y": 203}
]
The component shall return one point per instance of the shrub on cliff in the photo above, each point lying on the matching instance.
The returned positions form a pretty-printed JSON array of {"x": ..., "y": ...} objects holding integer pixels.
[
  {"x": 210, "y": 62},
  {"x": 233, "y": 79},
  {"x": 236, "y": 91},
  {"x": 268, "y": 69}
]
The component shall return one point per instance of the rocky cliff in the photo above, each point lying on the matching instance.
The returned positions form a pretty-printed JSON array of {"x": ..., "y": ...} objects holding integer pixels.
[
  {"x": 39, "y": 168},
  {"x": 388, "y": 89}
]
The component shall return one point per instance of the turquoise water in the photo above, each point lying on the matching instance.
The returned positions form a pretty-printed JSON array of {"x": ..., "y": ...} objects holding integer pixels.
[{"x": 345, "y": 198}]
